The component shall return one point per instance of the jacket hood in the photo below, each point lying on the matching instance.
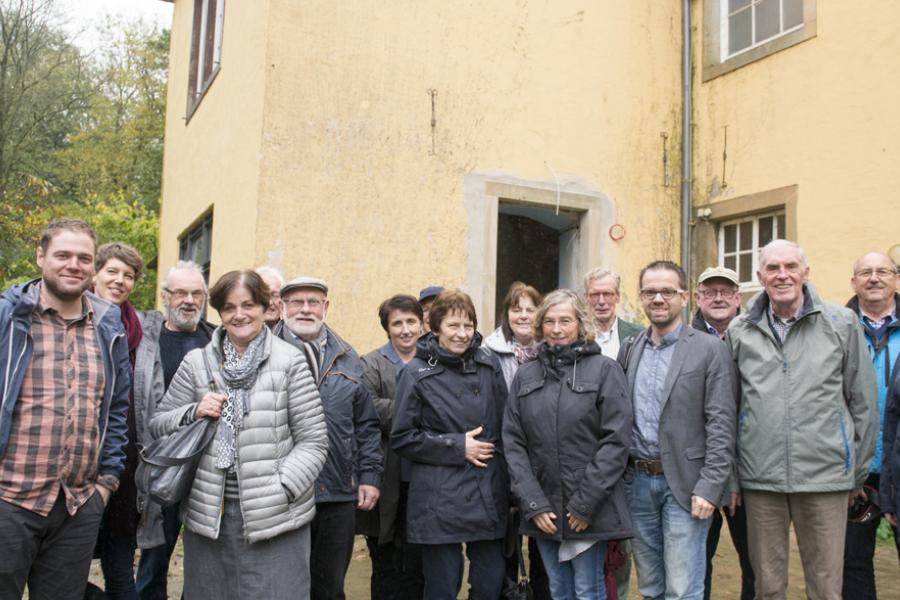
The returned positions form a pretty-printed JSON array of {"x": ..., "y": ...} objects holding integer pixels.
[
  {"x": 429, "y": 350},
  {"x": 498, "y": 342},
  {"x": 554, "y": 357}
]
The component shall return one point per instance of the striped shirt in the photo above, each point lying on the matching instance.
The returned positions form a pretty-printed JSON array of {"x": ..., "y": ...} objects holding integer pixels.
[{"x": 54, "y": 441}]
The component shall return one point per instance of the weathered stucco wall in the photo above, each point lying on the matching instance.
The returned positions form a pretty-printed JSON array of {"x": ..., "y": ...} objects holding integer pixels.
[
  {"x": 566, "y": 91},
  {"x": 213, "y": 159},
  {"x": 819, "y": 115}
]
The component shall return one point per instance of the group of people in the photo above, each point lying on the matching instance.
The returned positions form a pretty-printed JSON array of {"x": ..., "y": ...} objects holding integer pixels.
[{"x": 604, "y": 443}]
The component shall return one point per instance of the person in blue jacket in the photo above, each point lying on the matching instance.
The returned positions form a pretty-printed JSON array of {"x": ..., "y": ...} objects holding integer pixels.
[{"x": 64, "y": 398}]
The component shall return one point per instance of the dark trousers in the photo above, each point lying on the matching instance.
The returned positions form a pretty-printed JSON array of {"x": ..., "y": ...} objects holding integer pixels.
[
  {"x": 153, "y": 568},
  {"x": 537, "y": 575},
  {"x": 333, "y": 529},
  {"x": 737, "y": 526},
  {"x": 117, "y": 562},
  {"x": 442, "y": 568},
  {"x": 51, "y": 554},
  {"x": 396, "y": 570},
  {"x": 859, "y": 554}
]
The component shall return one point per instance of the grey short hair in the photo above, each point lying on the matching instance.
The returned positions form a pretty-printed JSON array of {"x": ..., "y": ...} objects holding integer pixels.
[
  {"x": 185, "y": 265},
  {"x": 586, "y": 331},
  {"x": 271, "y": 272},
  {"x": 600, "y": 273},
  {"x": 782, "y": 244}
]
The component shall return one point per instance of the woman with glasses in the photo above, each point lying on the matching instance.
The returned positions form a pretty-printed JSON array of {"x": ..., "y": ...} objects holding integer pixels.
[
  {"x": 566, "y": 435},
  {"x": 252, "y": 497},
  {"x": 446, "y": 424}
]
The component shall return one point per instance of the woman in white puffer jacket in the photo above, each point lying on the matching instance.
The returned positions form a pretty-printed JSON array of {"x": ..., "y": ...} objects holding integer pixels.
[{"x": 252, "y": 497}]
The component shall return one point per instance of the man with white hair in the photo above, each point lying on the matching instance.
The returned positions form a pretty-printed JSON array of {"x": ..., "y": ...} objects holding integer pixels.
[
  {"x": 601, "y": 294},
  {"x": 807, "y": 424},
  {"x": 166, "y": 340},
  {"x": 274, "y": 280}
]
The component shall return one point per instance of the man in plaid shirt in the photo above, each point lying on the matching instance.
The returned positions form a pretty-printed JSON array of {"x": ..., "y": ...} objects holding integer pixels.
[{"x": 64, "y": 382}]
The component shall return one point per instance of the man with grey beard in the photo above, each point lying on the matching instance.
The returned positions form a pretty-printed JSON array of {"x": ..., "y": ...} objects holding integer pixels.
[{"x": 166, "y": 340}]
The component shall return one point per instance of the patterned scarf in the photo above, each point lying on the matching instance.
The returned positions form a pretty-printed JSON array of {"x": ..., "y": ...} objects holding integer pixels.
[
  {"x": 240, "y": 374},
  {"x": 525, "y": 354}
]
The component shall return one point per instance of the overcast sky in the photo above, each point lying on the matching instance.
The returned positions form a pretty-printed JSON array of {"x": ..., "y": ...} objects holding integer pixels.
[{"x": 84, "y": 15}]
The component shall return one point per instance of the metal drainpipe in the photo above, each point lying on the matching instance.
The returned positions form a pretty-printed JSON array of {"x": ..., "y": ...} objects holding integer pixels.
[{"x": 686, "y": 138}]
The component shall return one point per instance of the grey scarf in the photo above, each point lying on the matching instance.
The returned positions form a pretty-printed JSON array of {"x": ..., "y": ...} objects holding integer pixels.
[{"x": 240, "y": 374}]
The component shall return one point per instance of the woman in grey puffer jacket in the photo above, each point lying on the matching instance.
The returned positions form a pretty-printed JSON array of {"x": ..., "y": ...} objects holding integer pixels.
[
  {"x": 252, "y": 497},
  {"x": 566, "y": 434}
]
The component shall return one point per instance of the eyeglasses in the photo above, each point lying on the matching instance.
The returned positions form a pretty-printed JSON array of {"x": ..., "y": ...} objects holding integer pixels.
[
  {"x": 710, "y": 294},
  {"x": 594, "y": 296},
  {"x": 551, "y": 323},
  {"x": 880, "y": 273},
  {"x": 667, "y": 294},
  {"x": 182, "y": 294},
  {"x": 313, "y": 303}
]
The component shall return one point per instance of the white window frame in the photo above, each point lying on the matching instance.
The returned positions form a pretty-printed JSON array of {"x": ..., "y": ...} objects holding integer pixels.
[
  {"x": 724, "y": 29},
  {"x": 200, "y": 78},
  {"x": 753, "y": 284}
]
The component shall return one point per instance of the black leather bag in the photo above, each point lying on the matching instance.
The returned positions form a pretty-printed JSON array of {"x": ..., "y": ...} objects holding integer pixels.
[{"x": 166, "y": 466}]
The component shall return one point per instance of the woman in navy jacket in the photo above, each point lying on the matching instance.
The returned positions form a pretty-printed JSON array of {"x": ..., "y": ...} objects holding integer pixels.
[{"x": 446, "y": 425}]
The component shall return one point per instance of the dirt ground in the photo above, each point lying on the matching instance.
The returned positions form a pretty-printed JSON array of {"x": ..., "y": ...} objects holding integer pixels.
[{"x": 726, "y": 573}]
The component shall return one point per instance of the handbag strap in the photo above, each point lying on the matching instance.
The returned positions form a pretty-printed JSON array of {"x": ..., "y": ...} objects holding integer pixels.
[
  {"x": 213, "y": 387},
  {"x": 522, "y": 572}
]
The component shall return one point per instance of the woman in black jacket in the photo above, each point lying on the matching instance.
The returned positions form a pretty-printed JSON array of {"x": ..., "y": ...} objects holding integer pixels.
[
  {"x": 566, "y": 436},
  {"x": 446, "y": 425}
]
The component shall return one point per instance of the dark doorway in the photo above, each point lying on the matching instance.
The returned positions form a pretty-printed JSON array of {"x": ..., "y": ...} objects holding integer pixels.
[{"x": 527, "y": 251}]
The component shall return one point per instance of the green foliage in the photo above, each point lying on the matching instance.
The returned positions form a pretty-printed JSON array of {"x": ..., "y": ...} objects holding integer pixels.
[
  {"x": 885, "y": 535},
  {"x": 80, "y": 135}
]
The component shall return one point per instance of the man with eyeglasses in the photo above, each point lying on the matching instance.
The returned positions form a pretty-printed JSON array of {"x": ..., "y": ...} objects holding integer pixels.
[
  {"x": 601, "y": 293},
  {"x": 165, "y": 342},
  {"x": 351, "y": 477},
  {"x": 718, "y": 300},
  {"x": 808, "y": 423},
  {"x": 682, "y": 441},
  {"x": 877, "y": 306}
]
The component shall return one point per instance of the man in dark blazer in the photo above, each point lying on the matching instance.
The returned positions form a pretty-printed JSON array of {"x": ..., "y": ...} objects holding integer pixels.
[{"x": 682, "y": 445}]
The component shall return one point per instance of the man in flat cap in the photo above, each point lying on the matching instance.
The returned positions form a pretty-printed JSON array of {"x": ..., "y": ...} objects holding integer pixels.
[{"x": 352, "y": 473}]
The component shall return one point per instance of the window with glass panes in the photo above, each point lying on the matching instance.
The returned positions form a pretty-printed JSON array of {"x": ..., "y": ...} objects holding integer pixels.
[
  {"x": 750, "y": 23},
  {"x": 741, "y": 239}
]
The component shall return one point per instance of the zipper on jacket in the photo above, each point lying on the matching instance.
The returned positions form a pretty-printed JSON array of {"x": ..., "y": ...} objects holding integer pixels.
[
  {"x": 846, "y": 444},
  {"x": 9, "y": 362},
  {"x": 112, "y": 390}
]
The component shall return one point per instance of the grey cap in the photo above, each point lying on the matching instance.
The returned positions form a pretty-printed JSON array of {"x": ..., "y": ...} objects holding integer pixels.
[
  {"x": 724, "y": 273},
  {"x": 305, "y": 282},
  {"x": 430, "y": 292}
]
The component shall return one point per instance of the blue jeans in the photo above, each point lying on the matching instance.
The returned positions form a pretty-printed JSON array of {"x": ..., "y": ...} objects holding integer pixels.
[
  {"x": 153, "y": 568},
  {"x": 442, "y": 570},
  {"x": 578, "y": 579},
  {"x": 669, "y": 545}
]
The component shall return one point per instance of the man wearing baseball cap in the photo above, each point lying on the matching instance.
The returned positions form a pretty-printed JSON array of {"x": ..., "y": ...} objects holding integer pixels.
[
  {"x": 718, "y": 300},
  {"x": 352, "y": 474}
]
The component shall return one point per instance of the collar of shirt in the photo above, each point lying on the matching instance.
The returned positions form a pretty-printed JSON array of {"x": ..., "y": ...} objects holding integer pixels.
[
  {"x": 776, "y": 319},
  {"x": 390, "y": 353},
  {"x": 668, "y": 339},
  {"x": 86, "y": 309},
  {"x": 603, "y": 336}
]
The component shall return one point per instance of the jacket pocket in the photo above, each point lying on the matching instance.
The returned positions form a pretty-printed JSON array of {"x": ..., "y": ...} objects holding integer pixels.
[
  {"x": 695, "y": 453},
  {"x": 846, "y": 442}
]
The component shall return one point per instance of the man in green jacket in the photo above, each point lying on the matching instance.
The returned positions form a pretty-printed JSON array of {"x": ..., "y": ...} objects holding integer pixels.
[{"x": 807, "y": 424}]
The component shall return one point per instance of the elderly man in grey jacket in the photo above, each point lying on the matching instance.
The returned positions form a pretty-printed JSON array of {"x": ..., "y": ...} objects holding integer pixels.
[
  {"x": 682, "y": 444},
  {"x": 808, "y": 422},
  {"x": 166, "y": 340}
]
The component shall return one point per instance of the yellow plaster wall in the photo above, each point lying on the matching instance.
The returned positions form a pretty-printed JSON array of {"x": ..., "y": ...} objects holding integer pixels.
[
  {"x": 821, "y": 115},
  {"x": 213, "y": 159},
  {"x": 349, "y": 189}
]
